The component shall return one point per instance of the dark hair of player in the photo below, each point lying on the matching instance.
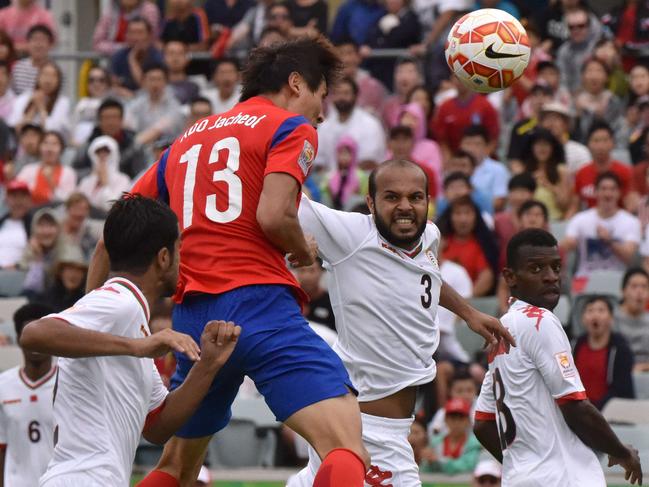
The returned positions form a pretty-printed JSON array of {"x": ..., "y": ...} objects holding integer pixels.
[
  {"x": 399, "y": 163},
  {"x": 610, "y": 175},
  {"x": 268, "y": 68},
  {"x": 532, "y": 237},
  {"x": 528, "y": 205},
  {"x": 633, "y": 271},
  {"x": 456, "y": 176},
  {"x": 43, "y": 29},
  {"x": 110, "y": 103},
  {"x": 595, "y": 298},
  {"x": 28, "y": 313},
  {"x": 136, "y": 229},
  {"x": 523, "y": 180}
]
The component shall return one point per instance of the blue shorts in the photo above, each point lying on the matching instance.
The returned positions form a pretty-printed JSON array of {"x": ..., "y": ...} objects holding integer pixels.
[{"x": 290, "y": 364}]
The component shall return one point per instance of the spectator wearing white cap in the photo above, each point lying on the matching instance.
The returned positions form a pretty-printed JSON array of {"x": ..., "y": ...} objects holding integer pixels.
[
  {"x": 557, "y": 118},
  {"x": 204, "y": 477},
  {"x": 14, "y": 226},
  {"x": 105, "y": 183},
  {"x": 487, "y": 473}
]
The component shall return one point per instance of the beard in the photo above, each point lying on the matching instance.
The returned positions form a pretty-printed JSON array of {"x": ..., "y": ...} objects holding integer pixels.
[
  {"x": 344, "y": 107},
  {"x": 384, "y": 230}
]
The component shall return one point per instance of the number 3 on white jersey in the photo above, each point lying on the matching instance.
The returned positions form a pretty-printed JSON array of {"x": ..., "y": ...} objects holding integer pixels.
[{"x": 227, "y": 175}]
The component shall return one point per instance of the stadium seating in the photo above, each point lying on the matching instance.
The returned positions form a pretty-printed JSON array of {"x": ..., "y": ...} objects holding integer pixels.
[
  {"x": 250, "y": 438},
  {"x": 8, "y": 307},
  {"x": 641, "y": 384},
  {"x": 627, "y": 411},
  {"x": 11, "y": 282},
  {"x": 605, "y": 282}
]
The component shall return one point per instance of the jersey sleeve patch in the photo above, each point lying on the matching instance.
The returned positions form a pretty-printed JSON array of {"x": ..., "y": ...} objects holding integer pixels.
[
  {"x": 566, "y": 366},
  {"x": 306, "y": 158}
]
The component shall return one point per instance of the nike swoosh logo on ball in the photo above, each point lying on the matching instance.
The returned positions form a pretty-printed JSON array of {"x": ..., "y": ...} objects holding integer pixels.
[{"x": 491, "y": 54}]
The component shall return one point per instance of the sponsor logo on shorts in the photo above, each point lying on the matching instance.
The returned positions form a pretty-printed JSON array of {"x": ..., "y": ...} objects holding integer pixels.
[{"x": 376, "y": 477}]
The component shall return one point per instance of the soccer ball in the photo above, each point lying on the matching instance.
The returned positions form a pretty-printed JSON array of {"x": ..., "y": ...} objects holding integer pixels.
[{"x": 487, "y": 50}]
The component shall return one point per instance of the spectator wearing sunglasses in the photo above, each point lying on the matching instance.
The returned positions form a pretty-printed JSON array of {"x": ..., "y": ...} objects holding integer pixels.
[
  {"x": 85, "y": 112},
  {"x": 579, "y": 46}
]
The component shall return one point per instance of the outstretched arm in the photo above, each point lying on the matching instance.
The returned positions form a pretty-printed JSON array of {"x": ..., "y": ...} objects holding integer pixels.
[
  {"x": 217, "y": 343},
  {"x": 591, "y": 428},
  {"x": 56, "y": 337},
  {"x": 489, "y": 327}
]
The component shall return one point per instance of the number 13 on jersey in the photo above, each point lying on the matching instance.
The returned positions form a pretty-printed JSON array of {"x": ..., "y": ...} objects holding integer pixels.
[{"x": 227, "y": 175}]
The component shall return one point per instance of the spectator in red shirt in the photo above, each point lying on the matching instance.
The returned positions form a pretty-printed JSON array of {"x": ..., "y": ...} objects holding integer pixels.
[
  {"x": 457, "y": 114},
  {"x": 470, "y": 243},
  {"x": 600, "y": 143},
  {"x": 603, "y": 358}
]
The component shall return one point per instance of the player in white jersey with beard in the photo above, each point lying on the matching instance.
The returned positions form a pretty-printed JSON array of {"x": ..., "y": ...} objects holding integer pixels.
[
  {"x": 385, "y": 287},
  {"x": 108, "y": 390},
  {"x": 26, "y": 417},
  {"x": 532, "y": 413}
]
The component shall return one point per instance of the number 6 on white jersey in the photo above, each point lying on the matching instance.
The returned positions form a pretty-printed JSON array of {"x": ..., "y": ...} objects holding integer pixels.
[{"x": 227, "y": 175}]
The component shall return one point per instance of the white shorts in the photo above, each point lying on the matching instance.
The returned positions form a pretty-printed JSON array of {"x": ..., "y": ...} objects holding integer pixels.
[{"x": 393, "y": 461}]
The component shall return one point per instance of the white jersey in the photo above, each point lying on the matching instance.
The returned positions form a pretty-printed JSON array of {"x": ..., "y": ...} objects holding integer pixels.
[
  {"x": 384, "y": 299},
  {"x": 523, "y": 389},
  {"x": 26, "y": 425},
  {"x": 101, "y": 403}
]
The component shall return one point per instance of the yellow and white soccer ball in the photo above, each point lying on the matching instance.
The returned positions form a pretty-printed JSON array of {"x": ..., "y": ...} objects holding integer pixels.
[{"x": 488, "y": 50}]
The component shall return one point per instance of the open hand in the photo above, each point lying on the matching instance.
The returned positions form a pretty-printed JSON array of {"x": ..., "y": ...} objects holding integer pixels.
[
  {"x": 165, "y": 341},
  {"x": 630, "y": 464},
  {"x": 490, "y": 328},
  {"x": 218, "y": 341}
]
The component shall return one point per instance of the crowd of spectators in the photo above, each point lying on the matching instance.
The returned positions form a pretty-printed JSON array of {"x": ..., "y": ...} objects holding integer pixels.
[{"x": 566, "y": 149}]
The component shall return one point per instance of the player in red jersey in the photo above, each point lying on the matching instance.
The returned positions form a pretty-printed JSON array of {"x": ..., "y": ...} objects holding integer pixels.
[{"x": 234, "y": 181}]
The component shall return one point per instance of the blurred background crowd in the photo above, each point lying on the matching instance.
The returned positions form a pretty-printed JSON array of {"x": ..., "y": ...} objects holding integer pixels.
[{"x": 566, "y": 149}]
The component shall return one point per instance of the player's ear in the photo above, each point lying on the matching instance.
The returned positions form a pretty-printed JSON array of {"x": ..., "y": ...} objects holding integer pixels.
[
  {"x": 295, "y": 83},
  {"x": 164, "y": 258},
  {"x": 370, "y": 203},
  {"x": 510, "y": 277}
]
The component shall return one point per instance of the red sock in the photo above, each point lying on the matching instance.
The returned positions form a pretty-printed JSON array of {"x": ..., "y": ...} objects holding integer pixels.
[
  {"x": 158, "y": 478},
  {"x": 341, "y": 468}
]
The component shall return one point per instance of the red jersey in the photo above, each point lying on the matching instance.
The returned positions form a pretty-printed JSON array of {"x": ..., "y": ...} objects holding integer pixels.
[
  {"x": 212, "y": 177},
  {"x": 586, "y": 176}
]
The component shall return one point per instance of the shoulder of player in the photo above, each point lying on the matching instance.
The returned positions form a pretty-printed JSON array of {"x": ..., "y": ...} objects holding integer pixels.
[
  {"x": 120, "y": 292},
  {"x": 529, "y": 318}
]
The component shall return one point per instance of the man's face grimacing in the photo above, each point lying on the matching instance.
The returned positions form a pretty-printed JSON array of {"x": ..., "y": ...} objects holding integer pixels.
[
  {"x": 535, "y": 277},
  {"x": 400, "y": 205}
]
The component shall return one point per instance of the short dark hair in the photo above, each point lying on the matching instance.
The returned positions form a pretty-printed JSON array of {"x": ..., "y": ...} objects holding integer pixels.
[
  {"x": 633, "y": 271},
  {"x": 528, "y": 205},
  {"x": 462, "y": 154},
  {"x": 543, "y": 65},
  {"x": 600, "y": 124},
  {"x": 43, "y": 29},
  {"x": 523, "y": 180},
  {"x": 5, "y": 65},
  {"x": 400, "y": 131},
  {"x": 141, "y": 20},
  {"x": 461, "y": 373},
  {"x": 476, "y": 130},
  {"x": 226, "y": 60},
  {"x": 200, "y": 99},
  {"x": 58, "y": 135},
  {"x": 533, "y": 237},
  {"x": 594, "y": 298},
  {"x": 408, "y": 60},
  {"x": 347, "y": 41},
  {"x": 31, "y": 127},
  {"x": 402, "y": 163},
  {"x": 456, "y": 176},
  {"x": 155, "y": 66},
  {"x": 110, "y": 103},
  {"x": 608, "y": 175},
  {"x": 29, "y": 312},
  {"x": 136, "y": 229},
  {"x": 351, "y": 82},
  {"x": 268, "y": 68}
]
